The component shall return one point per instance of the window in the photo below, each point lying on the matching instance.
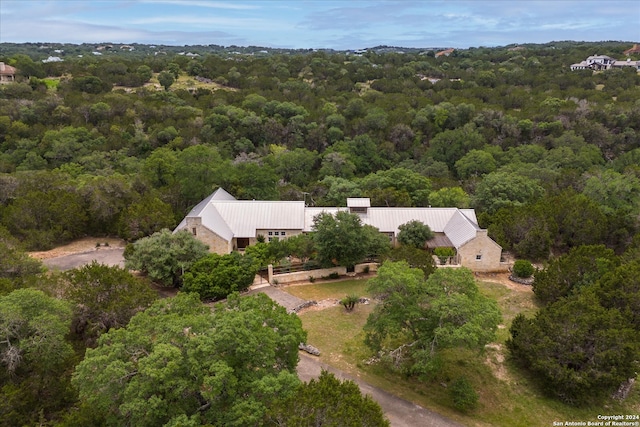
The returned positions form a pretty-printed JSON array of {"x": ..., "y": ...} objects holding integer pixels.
[
  {"x": 277, "y": 233},
  {"x": 478, "y": 257},
  {"x": 271, "y": 233},
  {"x": 283, "y": 233},
  {"x": 193, "y": 230}
]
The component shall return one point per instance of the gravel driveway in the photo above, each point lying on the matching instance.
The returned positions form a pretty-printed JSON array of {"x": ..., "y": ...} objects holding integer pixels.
[{"x": 108, "y": 256}]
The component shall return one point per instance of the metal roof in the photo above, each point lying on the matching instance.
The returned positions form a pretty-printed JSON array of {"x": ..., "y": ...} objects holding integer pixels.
[
  {"x": 229, "y": 218},
  {"x": 460, "y": 229},
  {"x": 244, "y": 217},
  {"x": 358, "y": 202}
]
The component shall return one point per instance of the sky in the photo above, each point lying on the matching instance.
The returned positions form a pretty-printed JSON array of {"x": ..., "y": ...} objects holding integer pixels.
[{"x": 341, "y": 25}]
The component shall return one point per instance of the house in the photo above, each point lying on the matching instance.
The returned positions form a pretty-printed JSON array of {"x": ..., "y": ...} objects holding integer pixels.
[
  {"x": 227, "y": 224},
  {"x": 7, "y": 73},
  {"x": 603, "y": 62}
]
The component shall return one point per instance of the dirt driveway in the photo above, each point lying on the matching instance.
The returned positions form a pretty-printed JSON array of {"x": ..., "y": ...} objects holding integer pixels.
[
  {"x": 400, "y": 412},
  {"x": 83, "y": 251}
]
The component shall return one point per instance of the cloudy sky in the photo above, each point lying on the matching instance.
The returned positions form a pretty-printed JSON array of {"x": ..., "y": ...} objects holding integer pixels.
[{"x": 345, "y": 24}]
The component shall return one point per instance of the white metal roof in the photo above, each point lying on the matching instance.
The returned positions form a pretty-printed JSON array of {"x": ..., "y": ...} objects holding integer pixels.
[
  {"x": 358, "y": 202},
  {"x": 229, "y": 218},
  {"x": 244, "y": 217},
  {"x": 460, "y": 229}
]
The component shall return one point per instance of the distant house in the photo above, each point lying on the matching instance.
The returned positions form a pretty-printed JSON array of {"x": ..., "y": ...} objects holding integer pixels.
[
  {"x": 7, "y": 73},
  {"x": 52, "y": 59},
  {"x": 603, "y": 62},
  {"x": 227, "y": 224}
]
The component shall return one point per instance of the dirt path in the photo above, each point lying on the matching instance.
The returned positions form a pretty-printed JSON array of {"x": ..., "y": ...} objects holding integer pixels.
[{"x": 400, "y": 412}]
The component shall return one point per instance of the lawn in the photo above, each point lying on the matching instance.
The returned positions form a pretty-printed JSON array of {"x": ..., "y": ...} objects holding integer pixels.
[
  {"x": 508, "y": 395},
  {"x": 335, "y": 289}
]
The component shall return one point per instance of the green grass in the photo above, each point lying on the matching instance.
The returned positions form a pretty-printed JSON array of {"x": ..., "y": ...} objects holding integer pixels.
[
  {"x": 509, "y": 395},
  {"x": 338, "y": 289}
]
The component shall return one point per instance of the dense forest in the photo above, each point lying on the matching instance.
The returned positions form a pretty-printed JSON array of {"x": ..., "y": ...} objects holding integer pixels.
[{"x": 106, "y": 141}]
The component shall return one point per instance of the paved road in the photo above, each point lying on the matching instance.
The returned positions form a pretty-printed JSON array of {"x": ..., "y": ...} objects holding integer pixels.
[{"x": 401, "y": 413}]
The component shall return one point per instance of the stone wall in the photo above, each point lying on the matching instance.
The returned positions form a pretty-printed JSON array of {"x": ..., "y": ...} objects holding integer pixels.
[
  {"x": 481, "y": 254},
  {"x": 216, "y": 243},
  {"x": 299, "y": 276}
]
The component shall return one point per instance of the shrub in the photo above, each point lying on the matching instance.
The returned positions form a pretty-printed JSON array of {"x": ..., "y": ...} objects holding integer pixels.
[
  {"x": 350, "y": 302},
  {"x": 464, "y": 396},
  {"x": 523, "y": 268},
  {"x": 334, "y": 276},
  {"x": 444, "y": 253}
]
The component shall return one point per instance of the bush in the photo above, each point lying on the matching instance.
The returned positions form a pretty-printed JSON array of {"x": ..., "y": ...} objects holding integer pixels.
[
  {"x": 523, "y": 268},
  {"x": 464, "y": 396},
  {"x": 349, "y": 302},
  {"x": 444, "y": 253}
]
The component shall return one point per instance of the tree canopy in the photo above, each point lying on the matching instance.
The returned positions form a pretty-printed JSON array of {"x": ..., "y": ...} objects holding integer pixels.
[
  {"x": 418, "y": 316},
  {"x": 181, "y": 362},
  {"x": 165, "y": 256},
  {"x": 341, "y": 239}
]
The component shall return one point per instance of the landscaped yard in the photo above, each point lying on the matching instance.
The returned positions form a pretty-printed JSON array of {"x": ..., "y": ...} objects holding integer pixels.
[{"x": 508, "y": 395}]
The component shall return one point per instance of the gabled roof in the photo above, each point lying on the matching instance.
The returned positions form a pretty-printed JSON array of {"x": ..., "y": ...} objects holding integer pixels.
[
  {"x": 244, "y": 217},
  {"x": 229, "y": 218}
]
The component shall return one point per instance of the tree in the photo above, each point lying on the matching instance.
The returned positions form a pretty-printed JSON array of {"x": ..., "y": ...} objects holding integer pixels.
[
  {"x": 104, "y": 297},
  {"x": 166, "y": 79},
  {"x": 35, "y": 357},
  {"x": 182, "y": 363},
  {"x": 475, "y": 163},
  {"x": 16, "y": 266},
  {"x": 43, "y": 218},
  {"x": 165, "y": 256},
  {"x": 216, "y": 276},
  {"x": 449, "y": 197},
  {"x": 341, "y": 239},
  {"x": 144, "y": 217},
  {"x": 614, "y": 192},
  {"x": 414, "y": 233},
  {"x": 580, "y": 350},
  {"x": 418, "y": 317},
  {"x": 327, "y": 401},
  {"x": 583, "y": 266},
  {"x": 414, "y": 257},
  {"x": 503, "y": 189}
]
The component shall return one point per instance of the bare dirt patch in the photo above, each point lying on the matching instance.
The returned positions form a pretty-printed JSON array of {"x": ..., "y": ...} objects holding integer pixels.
[
  {"x": 83, "y": 245},
  {"x": 503, "y": 279},
  {"x": 104, "y": 250},
  {"x": 321, "y": 305},
  {"x": 495, "y": 361}
]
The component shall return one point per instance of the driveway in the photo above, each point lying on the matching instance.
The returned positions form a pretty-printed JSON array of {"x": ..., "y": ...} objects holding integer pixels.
[
  {"x": 400, "y": 412},
  {"x": 108, "y": 256}
]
